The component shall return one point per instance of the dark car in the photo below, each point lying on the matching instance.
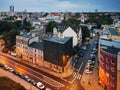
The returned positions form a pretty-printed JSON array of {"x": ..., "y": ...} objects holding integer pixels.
[
  {"x": 16, "y": 73},
  {"x": 1, "y": 65},
  {"x": 22, "y": 76},
  {"x": 33, "y": 82}
]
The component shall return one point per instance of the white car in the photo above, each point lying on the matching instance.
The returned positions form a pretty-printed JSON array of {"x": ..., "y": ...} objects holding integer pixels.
[
  {"x": 6, "y": 67},
  {"x": 11, "y": 69},
  {"x": 40, "y": 86},
  {"x": 88, "y": 71}
]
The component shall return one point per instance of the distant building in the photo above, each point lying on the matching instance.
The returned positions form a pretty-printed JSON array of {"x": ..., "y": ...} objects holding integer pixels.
[
  {"x": 57, "y": 17},
  {"x": 82, "y": 18},
  {"x": 109, "y": 60},
  {"x": 11, "y": 8},
  {"x": 111, "y": 33},
  {"x": 57, "y": 52},
  {"x": 117, "y": 24}
]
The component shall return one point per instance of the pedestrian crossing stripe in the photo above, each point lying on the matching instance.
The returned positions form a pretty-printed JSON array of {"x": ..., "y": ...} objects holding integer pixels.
[{"x": 78, "y": 76}]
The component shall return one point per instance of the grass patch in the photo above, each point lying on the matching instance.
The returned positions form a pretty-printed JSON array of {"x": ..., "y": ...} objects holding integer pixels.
[{"x": 8, "y": 84}]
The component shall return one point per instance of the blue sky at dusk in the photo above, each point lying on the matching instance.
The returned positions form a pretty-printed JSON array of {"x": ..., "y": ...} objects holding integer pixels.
[{"x": 61, "y": 5}]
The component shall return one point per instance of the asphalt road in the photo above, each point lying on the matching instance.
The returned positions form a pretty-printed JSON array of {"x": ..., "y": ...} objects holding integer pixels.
[{"x": 34, "y": 73}]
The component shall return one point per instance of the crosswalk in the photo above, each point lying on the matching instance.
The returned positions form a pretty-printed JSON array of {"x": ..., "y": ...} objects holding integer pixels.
[{"x": 76, "y": 75}]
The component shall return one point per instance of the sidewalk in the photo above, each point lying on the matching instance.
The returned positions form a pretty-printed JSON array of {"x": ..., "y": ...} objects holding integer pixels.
[
  {"x": 93, "y": 79},
  {"x": 90, "y": 81},
  {"x": 15, "y": 78}
]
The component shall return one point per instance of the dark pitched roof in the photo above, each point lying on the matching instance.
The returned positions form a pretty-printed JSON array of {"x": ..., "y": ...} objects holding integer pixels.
[{"x": 63, "y": 27}]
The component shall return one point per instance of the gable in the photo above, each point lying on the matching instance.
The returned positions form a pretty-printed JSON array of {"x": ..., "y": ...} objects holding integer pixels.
[{"x": 69, "y": 32}]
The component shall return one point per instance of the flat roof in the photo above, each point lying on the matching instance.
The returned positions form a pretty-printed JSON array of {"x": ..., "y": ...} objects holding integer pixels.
[
  {"x": 37, "y": 45},
  {"x": 58, "y": 40},
  {"x": 111, "y": 31},
  {"x": 110, "y": 46}
]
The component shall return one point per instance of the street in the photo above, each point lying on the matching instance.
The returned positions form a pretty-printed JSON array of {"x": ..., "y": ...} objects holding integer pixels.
[{"x": 51, "y": 81}]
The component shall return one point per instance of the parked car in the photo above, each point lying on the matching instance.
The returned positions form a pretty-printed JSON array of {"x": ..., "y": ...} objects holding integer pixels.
[
  {"x": 40, "y": 86},
  {"x": 88, "y": 70},
  {"x": 27, "y": 78},
  {"x": 6, "y": 67},
  {"x": 33, "y": 82},
  {"x": 11, "y": 69},
  {"x": 16, "y": 73},
  {"x": 22, "y": 76},
  {"x": 75, "y": 61},
  {"x": 1, "y": 65}
]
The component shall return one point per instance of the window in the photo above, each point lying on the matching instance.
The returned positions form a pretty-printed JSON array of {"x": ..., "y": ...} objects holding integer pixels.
[
  {"x": 112, "y": 62},
  {"x": 113, "y": 77},
  {"x": 107, "y": 67},
  {"x": 102, "y": 64},
  {"x": 107, "y": 74},
  {"x": 112, "y": 84},
  {"x": 107, "y": 60},
  {"x": 112, "y": 69}
]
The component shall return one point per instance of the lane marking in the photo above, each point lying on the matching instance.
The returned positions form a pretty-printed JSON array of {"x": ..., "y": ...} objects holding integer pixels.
[
  {"x": 60, "y": 84},
  {"x": 77, "y": 72}
]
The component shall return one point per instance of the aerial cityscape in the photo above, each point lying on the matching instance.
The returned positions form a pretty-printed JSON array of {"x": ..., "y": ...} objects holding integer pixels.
[{"x": 59, "y": 45}]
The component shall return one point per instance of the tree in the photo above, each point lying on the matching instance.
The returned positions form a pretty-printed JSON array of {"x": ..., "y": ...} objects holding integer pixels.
[
  {"x": 26, "y": 25},
  {"x": 18, "y": 24},
  {"x": 10, "y": 38},
  {"x": 71, "y": 21},
  {"x": 50, "y": 26},
  {"x": 85, "y": 32}
]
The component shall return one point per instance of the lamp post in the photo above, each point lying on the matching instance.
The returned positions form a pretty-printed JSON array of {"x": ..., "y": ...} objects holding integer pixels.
[{"x": 88, "y": 78}]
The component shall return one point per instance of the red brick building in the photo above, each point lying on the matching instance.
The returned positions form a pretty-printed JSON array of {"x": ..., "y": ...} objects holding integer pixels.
[{"x": 108, "y": 63}]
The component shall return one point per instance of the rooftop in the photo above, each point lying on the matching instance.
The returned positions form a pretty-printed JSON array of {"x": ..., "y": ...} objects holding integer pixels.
[
  {"x": 58, "y": 40},
  {"x": 110, "y": 46},
  {"x": 111, "y": 31},
  {"x": 37, "y": 45},
  {"x": 62, "y": 27}
]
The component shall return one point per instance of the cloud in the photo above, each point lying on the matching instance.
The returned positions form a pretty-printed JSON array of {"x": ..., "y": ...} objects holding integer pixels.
[
  {"x": 66, "y": 4},
  {"x": 59, "y": 5}
]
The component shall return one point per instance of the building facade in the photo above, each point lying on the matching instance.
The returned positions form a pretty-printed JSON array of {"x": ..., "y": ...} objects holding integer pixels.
[
  {"x": 108, "y": 63},
  {"x": 57, "y": 52},
  {"x": 29, "y": 48},
  {"x": 68, "y": 31}
]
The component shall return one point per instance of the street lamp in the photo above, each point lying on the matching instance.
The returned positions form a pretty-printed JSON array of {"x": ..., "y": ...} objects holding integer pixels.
[{"x": 88, "y": 78}]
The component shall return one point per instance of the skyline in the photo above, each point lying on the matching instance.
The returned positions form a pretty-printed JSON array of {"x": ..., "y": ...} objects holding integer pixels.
[{"x": 61, "y": 5}]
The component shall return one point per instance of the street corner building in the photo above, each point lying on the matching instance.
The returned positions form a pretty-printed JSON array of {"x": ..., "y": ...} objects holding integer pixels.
[{"x": 57, "y": 53}]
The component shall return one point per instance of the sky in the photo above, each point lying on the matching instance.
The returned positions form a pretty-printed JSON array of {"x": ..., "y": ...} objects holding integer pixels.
[{"x": 61, "y": 5}]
